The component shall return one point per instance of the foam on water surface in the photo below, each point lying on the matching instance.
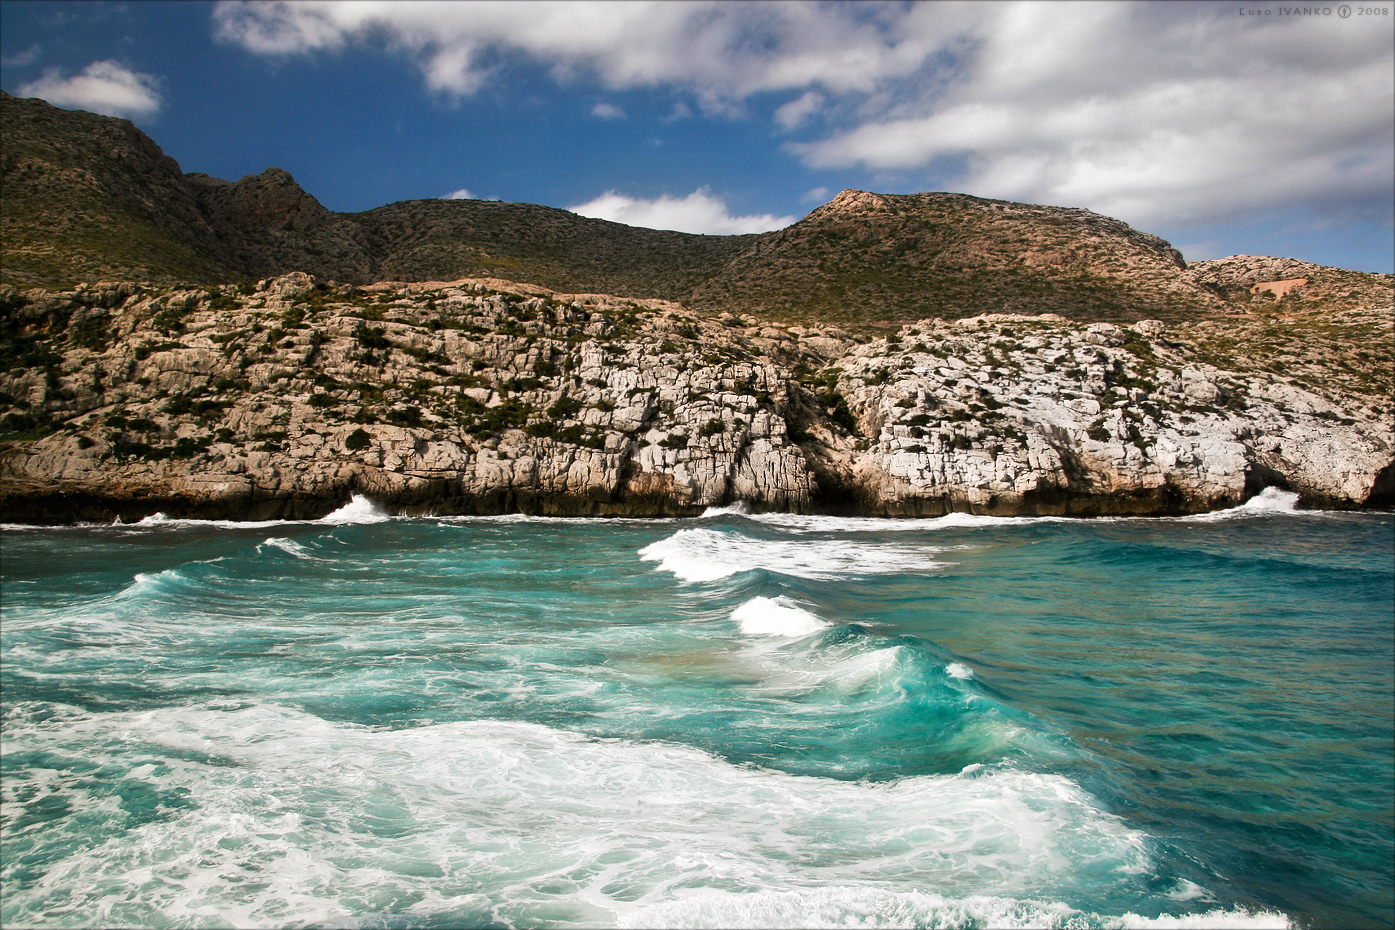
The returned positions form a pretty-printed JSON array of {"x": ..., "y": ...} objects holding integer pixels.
[
  {"x": 864, "y": 906},
  {"x": 359, "y": 509},
  {"x": 1269, "y": 502},
  {"x": 268, "y": 816},
  {"x": 778, "y": 616},
  {"x": 515, "y": 721},
  {"x": 700, "y": 554}
]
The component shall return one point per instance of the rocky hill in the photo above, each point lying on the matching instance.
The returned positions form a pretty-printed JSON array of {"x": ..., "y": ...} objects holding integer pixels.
[
  {"x": 88, "y": 198},
  {"x": 281, "y": 399},
  {"x": 179, "y": 343}
]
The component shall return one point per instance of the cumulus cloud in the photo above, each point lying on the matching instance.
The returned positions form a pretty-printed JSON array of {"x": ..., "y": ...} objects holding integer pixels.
[
  {"x": 102, "y": 87},
  {"x": 22, "y": 59},
  {"x": 1159, "y": 113},
  {"x": 699, "y": 212},
  {"x": 461, "y": 194},
  {"x": 1151, "y": 115},
  {"x": 607, "y": 111},
  {"x": 720, "y": 51},
  {"x": 798, "y": 110}
]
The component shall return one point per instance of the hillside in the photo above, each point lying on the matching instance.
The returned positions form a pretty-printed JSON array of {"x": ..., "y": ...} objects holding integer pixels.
[{"x": 88, "y": 198}]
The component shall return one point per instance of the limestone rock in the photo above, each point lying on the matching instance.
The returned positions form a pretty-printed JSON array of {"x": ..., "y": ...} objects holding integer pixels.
[{"x": 483, "y": 396}]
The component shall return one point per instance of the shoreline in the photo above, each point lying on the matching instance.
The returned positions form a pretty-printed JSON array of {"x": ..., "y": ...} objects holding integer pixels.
[{"x": 361, "y": 509}]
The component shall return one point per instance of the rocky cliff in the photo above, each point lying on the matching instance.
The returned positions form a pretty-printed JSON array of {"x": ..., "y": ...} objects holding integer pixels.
[{"x": 281, "y": 398}]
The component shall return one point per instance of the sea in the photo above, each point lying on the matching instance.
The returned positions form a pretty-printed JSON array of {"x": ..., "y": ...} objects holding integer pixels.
[{"x": 735, "y": 720}]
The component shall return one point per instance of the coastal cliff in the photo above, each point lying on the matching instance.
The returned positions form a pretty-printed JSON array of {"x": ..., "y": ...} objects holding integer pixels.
[
  {"x": 283, "y": 398},
  {"x": 175, "y": 342}
]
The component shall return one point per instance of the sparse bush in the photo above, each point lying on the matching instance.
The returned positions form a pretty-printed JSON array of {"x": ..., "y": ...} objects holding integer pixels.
[
  {"x": 371, "y": 337},
  {"x": 564, "y": 409}
]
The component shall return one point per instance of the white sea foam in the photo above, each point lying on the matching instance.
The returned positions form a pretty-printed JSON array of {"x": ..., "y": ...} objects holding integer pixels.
[
  {"x": 1266, "y": 503},
  {"x": 303, "y": 821},
  {"x": 739, "y": 508},
  {"x": 289, "y": 546},
  {"x": 807, "y": 523},
  {"x": 160, "y": 521},
  {"x": 957, "y": 670},
  {"x": 701, "y": 554},
  {"x": 1272, "y": 499},
  {"x": 359, "y": 509},
  {"x": 778, "y": 616},
  {"x": 862, "y": 906}
]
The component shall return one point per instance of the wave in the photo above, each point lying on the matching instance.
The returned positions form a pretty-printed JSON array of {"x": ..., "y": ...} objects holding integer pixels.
[
  {"x": 1269, "y": 502},
  {"x": 703, "y": 554},
  {"x": 160, "y": 520},
  {"x": 290, "y": 547},
  {"x": 778, "y": 616},
  {"x": 300, "y": 820},
  {"x": 359, "y": 509},
  {"x": 739, "y": 508},
  {"x": 958, "y": 670},
  {"x": 816, "y": 523},
  {"x": 853, "y": 906}
]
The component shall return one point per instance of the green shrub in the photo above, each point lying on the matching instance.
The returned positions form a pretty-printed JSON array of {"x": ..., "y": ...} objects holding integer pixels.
[
  {"x": 187, "y": 447},
  {"x": 371, "y": 337},
  {"x": 92, "y": 333},
  {"x": 565, "y": 408},
  {"x": 358, "y": 440},
  {"x": 407, "y": 416}
]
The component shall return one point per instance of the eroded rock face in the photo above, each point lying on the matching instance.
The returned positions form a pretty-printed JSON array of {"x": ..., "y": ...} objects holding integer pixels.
[{"x": 481, "y": 396}]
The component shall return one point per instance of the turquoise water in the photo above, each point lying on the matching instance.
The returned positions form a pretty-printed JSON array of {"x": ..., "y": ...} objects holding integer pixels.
[{"x": 735, "y": 720}]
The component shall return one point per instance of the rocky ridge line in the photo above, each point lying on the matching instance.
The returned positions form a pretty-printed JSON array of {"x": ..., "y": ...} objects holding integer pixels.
[{"x": 88, "y": 197}]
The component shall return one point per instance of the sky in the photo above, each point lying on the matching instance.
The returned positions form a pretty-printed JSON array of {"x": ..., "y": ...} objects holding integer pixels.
[{"x": 1224, "y": 127}]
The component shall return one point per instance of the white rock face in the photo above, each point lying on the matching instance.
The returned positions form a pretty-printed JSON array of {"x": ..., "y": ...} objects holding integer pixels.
[{"x": 486, "y": 397}]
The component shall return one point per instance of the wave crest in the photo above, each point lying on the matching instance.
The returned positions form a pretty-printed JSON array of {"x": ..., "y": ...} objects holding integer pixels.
[
  {"x": 778, "y": 616},
  {"x": 359, "y": 509},
  {"x": 702, "y": 554}
]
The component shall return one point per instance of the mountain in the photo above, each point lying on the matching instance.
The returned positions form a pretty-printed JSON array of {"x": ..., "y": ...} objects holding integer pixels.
[{"x": 88, "y": 197}]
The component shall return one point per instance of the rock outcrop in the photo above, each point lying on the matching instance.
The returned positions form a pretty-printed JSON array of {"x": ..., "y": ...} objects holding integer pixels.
[{"x": 485, "y": 396}]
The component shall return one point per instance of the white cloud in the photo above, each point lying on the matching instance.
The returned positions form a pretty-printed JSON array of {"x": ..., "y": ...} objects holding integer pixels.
[
  {"x": 21, "y": 59},
  {"x": 461, "y": 194},
  {"x": 800, "y": 109},
  {"x": 817, "y": 195},
  {"x": 607, "y": 111},
  {"x": 1160, "y": 113},
  {"x": 1151, "y": 115},
  {"x": 720, "y": 51},
  {"x": 102, "y": 87},
  {"x": 699, "y": 212}
]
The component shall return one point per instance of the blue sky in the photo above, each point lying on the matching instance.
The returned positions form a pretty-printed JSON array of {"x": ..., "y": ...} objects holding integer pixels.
[{"x": 1224, "y": 127}]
